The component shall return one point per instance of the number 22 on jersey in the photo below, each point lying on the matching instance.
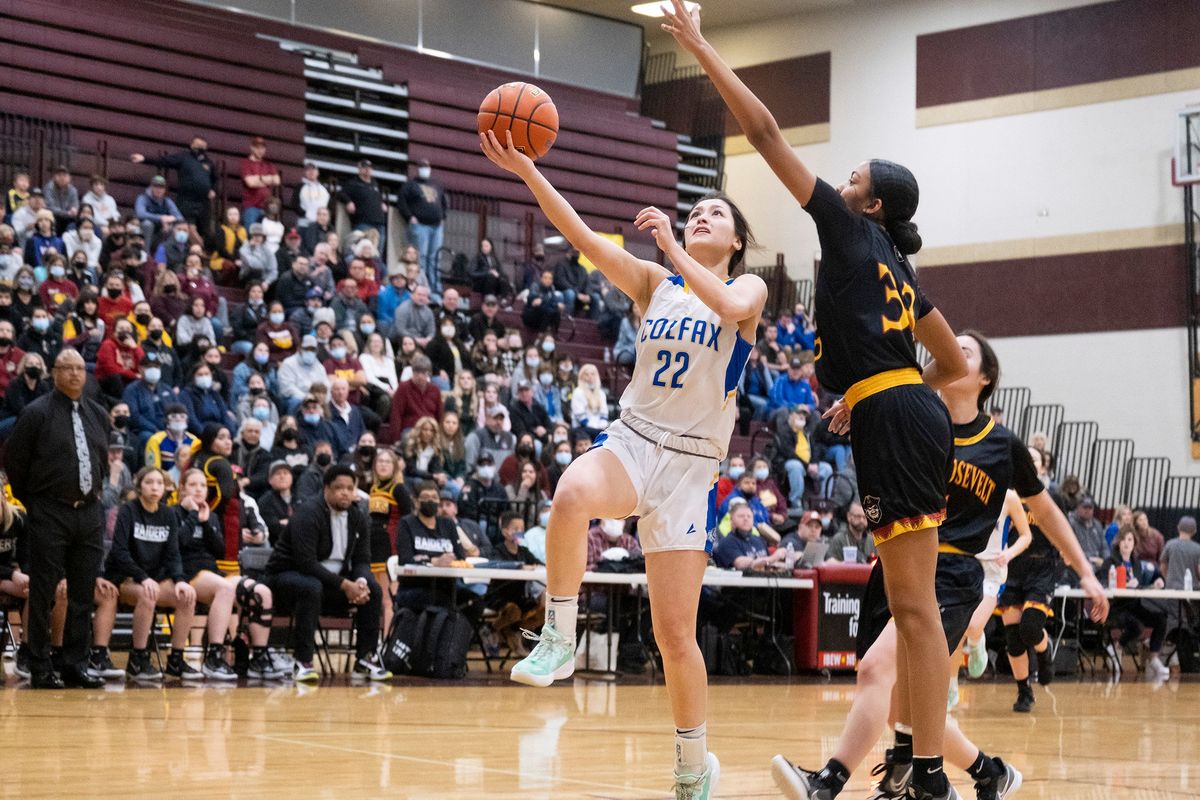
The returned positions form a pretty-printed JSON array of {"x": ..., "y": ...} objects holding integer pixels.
[{"x": 666, "y": 358}]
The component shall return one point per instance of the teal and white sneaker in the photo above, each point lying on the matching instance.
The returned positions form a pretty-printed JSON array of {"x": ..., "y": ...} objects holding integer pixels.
[
  {"x": 977, "y": 657},
  {"x": 699, "y": 787},
  {"x": 952, "y": 697},
  {"x": 552, "y": 659}
]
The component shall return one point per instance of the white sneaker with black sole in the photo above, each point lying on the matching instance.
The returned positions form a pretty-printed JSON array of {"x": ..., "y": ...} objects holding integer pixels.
[{"x": 370, "y": 669}]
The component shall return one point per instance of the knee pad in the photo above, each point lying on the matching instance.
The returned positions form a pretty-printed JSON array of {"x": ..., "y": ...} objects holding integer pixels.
[
  {"x": 1013, "y": 642},
  {"x": 1032, "y": 625},
  {"x": 251, "y": 604}
]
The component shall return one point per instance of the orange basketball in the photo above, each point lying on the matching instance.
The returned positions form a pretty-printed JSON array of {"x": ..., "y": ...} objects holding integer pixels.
[{"x": 525, "y": 110}]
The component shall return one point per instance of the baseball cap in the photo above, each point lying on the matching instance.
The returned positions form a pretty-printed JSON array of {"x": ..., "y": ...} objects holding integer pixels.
[
  {"x": 524, "y": 385},
  {"x": 257, "y": 140},
  {"x": 485, "y": 458},
  {"x": 309, "y": 341},
  {"x": 795, "y": 363},
  {"x": 278, "y": 465},
  {"x": 1187, "y": 524},
  {"x": 116, "y": 441},
  {"x": 36, "y": 192},
  {"x": 497, "y": 411},
  {"x": 446, "y": 494},
  {"x": 735, "y": 501},
  {"x": 292, "y": 234},
  {"x": 365, "y": 162},
  {"x": 314, "y": 292},
  {"x": 256, "y": 229},
  {"x": 61, "y": 168},
  {"x": 810, "y": 516},
  {"x": 1087, "y": 501},
  {"x": 310, "y": 398},
  {"x": 490, "y": 299},
  {"x": 158, "y": 180},
  {"x": 800, "y": 408}
]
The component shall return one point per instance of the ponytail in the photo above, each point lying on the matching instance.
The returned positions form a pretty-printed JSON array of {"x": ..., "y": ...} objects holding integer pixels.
[{"x": 904, "y": 236}]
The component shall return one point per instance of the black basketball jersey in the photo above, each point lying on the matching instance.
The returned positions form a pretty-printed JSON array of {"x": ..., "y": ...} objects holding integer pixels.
[
  {"x": 867, "y": 298},
  {"x": 988, "y": 460}
]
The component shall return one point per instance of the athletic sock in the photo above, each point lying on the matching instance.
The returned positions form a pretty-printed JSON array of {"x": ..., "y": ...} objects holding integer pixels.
[
  {"x": 177, "y": 653},
  {"x": 983, "y": 767},
  {"x": 902, "y": 752},
  {"x": 258, "y": 651},
  {"x": 836, "y": 775},
  {"x": 1023, "y": 685},
  {"x": 691, "y": 750},
  {"x": 561, "y": 613},
  {"x": 929, "y": 775}
]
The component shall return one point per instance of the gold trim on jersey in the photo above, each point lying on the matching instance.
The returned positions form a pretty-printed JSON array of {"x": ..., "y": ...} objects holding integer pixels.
[
  {"x": 875, "y": 384},
  {"x": 970, "y": 440},
  {"x": 908, "y": 525},
  {"x": 951, "y": 550}
]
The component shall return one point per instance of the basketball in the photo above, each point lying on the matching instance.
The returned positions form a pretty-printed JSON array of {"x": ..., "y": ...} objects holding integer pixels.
[{"x": 525, "y": 110}]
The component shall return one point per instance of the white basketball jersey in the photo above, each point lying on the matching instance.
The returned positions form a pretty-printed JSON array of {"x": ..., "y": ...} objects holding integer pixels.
[{"x": 688, "y": 366}]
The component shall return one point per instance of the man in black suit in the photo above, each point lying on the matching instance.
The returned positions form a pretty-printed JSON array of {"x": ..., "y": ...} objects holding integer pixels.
[
  {"x": 55, "y": 461},
  {"x": 322, "y": 564}
]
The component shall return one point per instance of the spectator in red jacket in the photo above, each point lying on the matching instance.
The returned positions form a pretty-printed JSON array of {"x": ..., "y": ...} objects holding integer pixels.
[
  {"x": 10, "y": 354},
  {"x": 118, "y": 360},
  {"x": 260, "y": 182},
  {"x": 415, "y": 398},
  {"x": 115, "y": 304}
]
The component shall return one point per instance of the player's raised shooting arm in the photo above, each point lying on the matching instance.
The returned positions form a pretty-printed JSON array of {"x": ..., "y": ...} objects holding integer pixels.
[{"x": 752, "y": 115}]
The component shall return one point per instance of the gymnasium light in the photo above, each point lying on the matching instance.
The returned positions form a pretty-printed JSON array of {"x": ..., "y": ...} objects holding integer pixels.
[{"x": 655, "y": 9}]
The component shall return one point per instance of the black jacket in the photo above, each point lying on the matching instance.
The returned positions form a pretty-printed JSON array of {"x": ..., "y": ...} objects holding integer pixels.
[
  {"x": 367, "y": 199},
  {"x": 416, "y": 544},
  {"x": 276, "y": 513},
  {"x": 10, "y": 541},
  {"x": 40, "y": 459},
  {"x": 18, "y": 395},
  {"x": 424, "y": 200},
  {"x": 481, "y": 325},
  {"x": 197, "y": 175},
  {"x": 525, "y": 419},
  {"x": 247, "y": 319},
  {"x": 308, "y": 540}
]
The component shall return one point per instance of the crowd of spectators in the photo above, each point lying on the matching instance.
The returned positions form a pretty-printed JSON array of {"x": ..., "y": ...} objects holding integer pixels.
[{"x": 256, "y": 345}]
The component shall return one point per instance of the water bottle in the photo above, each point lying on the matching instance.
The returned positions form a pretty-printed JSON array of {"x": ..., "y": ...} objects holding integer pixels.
[
  {"x": 1187, "y": 581},
  {"x": 791, "y": 556},
  {"x": 1112, "y": 577}
]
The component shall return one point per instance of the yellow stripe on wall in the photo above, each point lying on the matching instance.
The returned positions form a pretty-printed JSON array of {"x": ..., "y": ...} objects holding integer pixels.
[
  {"x": 800, "y": 135},
  {"x": 1180, "y": 80}
]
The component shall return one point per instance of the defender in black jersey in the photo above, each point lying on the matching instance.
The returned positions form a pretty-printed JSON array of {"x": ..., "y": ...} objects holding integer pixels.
[
  {"x": 869, "y": 314},
  {"x": 988, "y": 460}
]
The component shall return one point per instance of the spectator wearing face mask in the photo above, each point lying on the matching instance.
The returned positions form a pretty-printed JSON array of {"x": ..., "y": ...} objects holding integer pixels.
[
  {"x": 29, "y": 385},
  {"x": 157, "y": 349},
  {"x": 10, "y": 355},
  {"x": 313, "y": 425},
  {"x": 727, "y": 482},
  {"x": 483, "y": 496},
  {"x": 57, "y": 291},
  {"x": 40, "y": 337},
  {"x": 280, "y": 337},
  {"x": 258, "y": 364},
  {"x": 80, "y": 273},
  {"x": 251, "y": 458},
  {"x": 148, "y": 399},
  {"x": 245, "y": 321},
  {"x": 747, "y": 490},
  {"x": 172, "y": 448},
  {"x": 491, "y": 438},
  {"x": 118, "y": 359},
  {"x": 343, "y": 364},
  {"x": 313, "y": 475},
  {"x": 560, "y": 460},
  {"x": 84, "y": 240},
  {"x": 769, "y": 493},
  {"x": 174, "y": 248},
  {"x": 205, "y": 405},
  {"x": 609, "y": 533},
  {"x": 298, "y": 373}
]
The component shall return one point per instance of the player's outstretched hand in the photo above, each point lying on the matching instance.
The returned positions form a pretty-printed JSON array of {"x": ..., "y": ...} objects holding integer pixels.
[
  {"x": 1091, "y": 587},
  {"x": 507, "y": 158},
  {"x": 839, "y": 417},
  {"x": 658, "y": 223},
  {"x": 683, "y": 26}
]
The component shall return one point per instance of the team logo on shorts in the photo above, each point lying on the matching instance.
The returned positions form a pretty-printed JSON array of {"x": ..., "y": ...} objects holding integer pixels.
[{"x": 871, "y": 508}]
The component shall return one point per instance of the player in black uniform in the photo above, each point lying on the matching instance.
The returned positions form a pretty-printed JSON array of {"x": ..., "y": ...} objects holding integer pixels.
[
  {"x": 869, "y": 310},
  {"x": 988, "y": 460},
  {"x": 1025, "y": 605}
]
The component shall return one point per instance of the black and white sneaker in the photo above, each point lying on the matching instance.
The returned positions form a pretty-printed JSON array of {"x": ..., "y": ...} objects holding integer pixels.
[
  {"x": 370, "y": 669},
  {"x": 1045, "y": 666},
  {"x": 23, "y": 666},
  {"x": 262, "y": 668},
  {"x": 917, "y": 793},
  {"x": 1025, "y": 700},
  {"x": 798, "y": 783},
  {"x": 100, "y": 662},
  {"x": 179, "y": 668},
  {"x": 216, "y": 668},
  {"x": 999, "y": 786},
  {"x": 141, "y": 669},
  {"x": 892, "y": 778}
]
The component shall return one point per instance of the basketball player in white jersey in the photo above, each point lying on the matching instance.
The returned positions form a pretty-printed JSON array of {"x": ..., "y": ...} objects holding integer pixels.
[{"x": 659, "y": 460}]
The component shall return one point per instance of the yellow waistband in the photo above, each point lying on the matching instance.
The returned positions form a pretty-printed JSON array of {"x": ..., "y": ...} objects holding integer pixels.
[
  {"x": 952, "y": 550},
  {"x": 878, "y": 383}
]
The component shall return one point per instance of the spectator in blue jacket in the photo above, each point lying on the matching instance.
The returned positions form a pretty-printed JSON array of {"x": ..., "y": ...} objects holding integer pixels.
[
  {"x": 148, "y": 398},
  {"x": 806, "y": 335},
  {"x": 793, "y": 388},
  {"x": 345, "y": 419},
  {"x": 155, "y": 210},
  {"x": 756, "y": 383},
  {"x": 390, "y": 298},
  {"x": 311, "y": 423},
  {"x": 204, "y": 403}
]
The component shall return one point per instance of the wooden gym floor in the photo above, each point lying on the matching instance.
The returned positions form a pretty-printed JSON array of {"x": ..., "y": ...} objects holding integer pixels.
[{"x": 492, "y": 739}]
